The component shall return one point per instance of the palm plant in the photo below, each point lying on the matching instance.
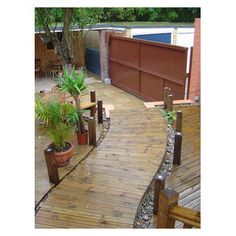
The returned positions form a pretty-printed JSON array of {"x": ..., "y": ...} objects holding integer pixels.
[
  {"x": 56, "y": 117},
  {"x": 74, "y": 84}
]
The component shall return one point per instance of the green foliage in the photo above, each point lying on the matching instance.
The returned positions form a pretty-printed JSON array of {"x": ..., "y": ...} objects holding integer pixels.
[
  {"x": 56, "y": 118},
  {"x": 86, "y": 16},
  {"x": 48, "y": 16},
  {"x": 170, "y": 116},
  {"x": 72, "y": 82},
  {"x": 118, "y": 14},
  {"x": 73, "y": 117},
  {"x": 82, "y": 17},
  {"x": 150, "y": 14},
  {"x": 47, "y": 20}
]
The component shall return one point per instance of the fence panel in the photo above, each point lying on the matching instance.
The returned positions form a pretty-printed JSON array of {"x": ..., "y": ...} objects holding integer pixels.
[{"x": 144, "y": 68}]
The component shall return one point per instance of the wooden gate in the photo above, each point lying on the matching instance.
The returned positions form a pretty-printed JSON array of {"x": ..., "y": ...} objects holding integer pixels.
[{"x": 144, "y": 68}]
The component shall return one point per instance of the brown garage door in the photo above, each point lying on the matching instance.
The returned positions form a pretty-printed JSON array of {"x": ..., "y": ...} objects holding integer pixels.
[{"x": 144, "y": 68}]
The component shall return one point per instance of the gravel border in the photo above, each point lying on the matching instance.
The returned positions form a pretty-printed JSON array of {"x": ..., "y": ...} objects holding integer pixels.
[{"x": 144, "y": 214}]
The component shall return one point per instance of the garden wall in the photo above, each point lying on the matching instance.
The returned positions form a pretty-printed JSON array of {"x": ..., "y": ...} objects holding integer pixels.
[{"x": 194, "y": 88}]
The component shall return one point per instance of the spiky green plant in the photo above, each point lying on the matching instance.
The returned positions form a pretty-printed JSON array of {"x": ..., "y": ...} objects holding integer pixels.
[
  {"x": 56, "y": 117},
  {"x": 170, "y": 117},
  {"x": 74, "y": 84}
]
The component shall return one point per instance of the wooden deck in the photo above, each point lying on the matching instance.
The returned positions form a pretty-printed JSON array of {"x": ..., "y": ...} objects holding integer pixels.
[
  {"x": 42, "y": 140},
  {"x": 113, "y": 99},
  {"x": 105, "y": 190},
  {"x": 185, "y": 179}
]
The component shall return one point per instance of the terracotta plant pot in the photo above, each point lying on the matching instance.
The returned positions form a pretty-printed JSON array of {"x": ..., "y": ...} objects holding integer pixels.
[
  {"x": 63, "y": 158},
  {"x": 82, "y": 138}
]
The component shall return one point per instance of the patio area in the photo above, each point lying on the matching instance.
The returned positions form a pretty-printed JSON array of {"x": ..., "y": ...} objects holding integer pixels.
[
  {"x": 115, "y": 98},
  {"x": 103, "y": 186}
]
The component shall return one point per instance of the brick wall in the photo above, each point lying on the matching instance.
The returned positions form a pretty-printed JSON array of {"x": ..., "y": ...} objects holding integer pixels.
[
  {"x": 103, "y": 38},
  {"x": 194, "y": 87},
  {"x": 103, "y": 47}
]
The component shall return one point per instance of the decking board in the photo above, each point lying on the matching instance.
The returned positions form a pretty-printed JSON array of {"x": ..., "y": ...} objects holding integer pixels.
[
  {"x": 185, "y": 179},
  {"x": 104, "y": 191}
]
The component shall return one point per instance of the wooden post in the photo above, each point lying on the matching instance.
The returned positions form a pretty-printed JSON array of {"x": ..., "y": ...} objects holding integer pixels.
[
  {"x": 187, "y": 226},
  {"x": 99, "y": 112},
  {"x": 178, "y": 121},
  {"x": 51, "y": 166},
  {"x": 166, "y": 93},
  {"x": 93, "y": 111},
  {"x": 170, "y": 102},
  {"x": 167, "y": 198},
  {"x": 92, "y": 131},
  {"x": 93, "y": 99},
  {"x": 159, "y": 186},
  {"x": 93, "y": 96},
  {"x": 177, "y": 148}
]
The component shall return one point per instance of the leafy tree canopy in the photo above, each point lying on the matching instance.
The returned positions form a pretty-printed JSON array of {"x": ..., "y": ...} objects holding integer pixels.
[
  {"x": 150, "y": 14},
  {"x": 82, "y": 17}
]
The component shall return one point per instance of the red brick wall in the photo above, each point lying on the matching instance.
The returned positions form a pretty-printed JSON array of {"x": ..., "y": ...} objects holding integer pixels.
[
  {"x": 103, "y": 48},
  {"x": 194, "y": 88}
]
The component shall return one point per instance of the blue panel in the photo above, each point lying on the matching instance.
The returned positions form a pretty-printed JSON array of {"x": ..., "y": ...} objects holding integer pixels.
[
  {"x": 160, "y": 38},
  {"x": 92, "y": 61}
]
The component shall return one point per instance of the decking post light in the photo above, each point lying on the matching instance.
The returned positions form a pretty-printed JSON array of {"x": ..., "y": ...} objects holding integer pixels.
[
  {"x": 99, "y": 112},
  {"x": 92, "y": 131},
  {"x": 51, "y": 166},
  {"x": 178, "y": 121},
  {"x": 93, "y": 96},
  {"x": 93, "y": 99},
  {"x": 177, "y": 148},
  {"x": 159, "y": 186},
  {"x": 170, "y": 102},
  {"x": 166, "y": 93}
]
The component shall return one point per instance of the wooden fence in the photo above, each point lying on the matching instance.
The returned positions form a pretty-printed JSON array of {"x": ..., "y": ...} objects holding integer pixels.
[{"x": 169, "y": 211}]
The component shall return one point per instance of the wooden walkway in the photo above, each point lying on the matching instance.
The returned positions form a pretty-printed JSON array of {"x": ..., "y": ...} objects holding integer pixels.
[
  {"x": 42, "y": 140},
  {"x": 185, "y": 179},
  {"x": 105, "y": 190}
]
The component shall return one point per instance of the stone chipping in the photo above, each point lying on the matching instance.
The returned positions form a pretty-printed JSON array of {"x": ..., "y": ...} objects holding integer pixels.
[{"x": 144, "y": 214}]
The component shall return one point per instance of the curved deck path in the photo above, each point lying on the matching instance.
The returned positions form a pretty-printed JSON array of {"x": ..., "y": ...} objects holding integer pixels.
[{"x": 105, "y": 190}]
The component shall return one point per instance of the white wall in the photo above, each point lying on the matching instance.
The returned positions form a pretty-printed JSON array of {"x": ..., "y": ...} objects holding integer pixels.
[{"x": 185, "y": 38}]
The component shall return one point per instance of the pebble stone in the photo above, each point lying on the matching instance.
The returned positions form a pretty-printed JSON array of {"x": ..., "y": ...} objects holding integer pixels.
[{"x": 144, "y": 214}]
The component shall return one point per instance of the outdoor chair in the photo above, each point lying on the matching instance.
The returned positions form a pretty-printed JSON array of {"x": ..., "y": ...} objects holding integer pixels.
[{"x": 53, "y": 69}]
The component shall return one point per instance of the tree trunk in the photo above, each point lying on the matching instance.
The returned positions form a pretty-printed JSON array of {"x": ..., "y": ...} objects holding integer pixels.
[
  {"x": 80, "y": 126},
  {"x": 68, "y": 67},
  {"x": 63, "y": 47},
  {"x": 80, "y": 51},
  {"x": 67, "y": 34}
]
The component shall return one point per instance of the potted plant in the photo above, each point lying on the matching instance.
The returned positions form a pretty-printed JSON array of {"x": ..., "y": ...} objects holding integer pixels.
[
  {"x": 74, "y": 84},
  {"x": 55, "y": 116}
]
